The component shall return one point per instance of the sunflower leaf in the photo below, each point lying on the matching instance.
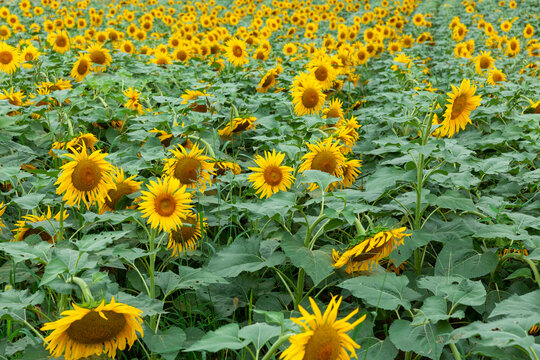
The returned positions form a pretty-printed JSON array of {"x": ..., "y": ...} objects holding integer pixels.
[
  {"x": 259, "y": 334},
  {"x": 226, "y": 337},
  {"x": 427, "y": 339}
]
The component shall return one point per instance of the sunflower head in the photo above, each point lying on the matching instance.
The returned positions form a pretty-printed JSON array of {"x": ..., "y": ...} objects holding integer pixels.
[
  {"x": 307, "y": 94},
  {"x": 270, "y": 176},
  {"x": 236, "y": 52},
  {"x": 10, "y": 58},
  {"x": 324, "y": 156},
  {"x": 461, "y": 102},
  {"x": 186, "y": 238},
  {"x": 122, "y": 187},
  {"x": 192, "y": 168},
  {"x": 24, "y": 229}
]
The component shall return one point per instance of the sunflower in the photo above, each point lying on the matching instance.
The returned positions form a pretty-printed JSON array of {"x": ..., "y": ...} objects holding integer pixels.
[
  {"x": 268, "y": 81},
  {"x": 86, "y": 178},
  {"x": 270, "y": 176},
  {"x": 60, "y": 42},
  {"x": 528, "y": 31},
  {"x": 99, "y": 56},
  {"x": 290, "y": 49},
  {"x": 223, "y": 166},
  {"x": 322, "y": 71},
  {"x": 2, "y": 210},
  {"x": 484, "y": 61},
  {"x": 81, "y": 68},
  {"x": 512, "y": 47},
  {"x": 237, "y": 125},
  {"x": 236, "y": 52},
  {"x": 334, "y": 109},
  {"x": 307, "y": 94},
  {"x": 186, "y": 237},
  {"x": 161, "y": 58},
  {"x": 165, "y": 204},
  {"x": 5, "y": 32},
  {"x": 323, "y": 336},
  {"x": 86, "y": 140},
  {"x": 350, "y": 173},
  {"x": 461, "y": 102},
  {"x": 495, "y": 76},
  {"x": 133, "y": 102},
  {"x": 85, "y": 332},
  {"x": 191, "y": 169},
  {"x": 366, "y": 254},
  {"x": 10, "y": 58},
  {"x": 324, "y": 156},
  {"x": 123, "y": 186},
  {"x": 24, "y": 230},
  {"x": 14, "y": 98},
  {"x": 29, "y": 54}
]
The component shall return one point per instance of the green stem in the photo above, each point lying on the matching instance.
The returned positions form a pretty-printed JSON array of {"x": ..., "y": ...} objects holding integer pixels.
[
  {"x": 359, "y": 228},
  {"x": 207, "y": 145},
  {"x": 531, "y": 264},
  {"x": 299, "y": 291},
  {"x": 87, "y": 295},
  {"x": 151, "y": 270},
  {"x": 455, "y": 351},
  {"x": 276, "y": 346}
]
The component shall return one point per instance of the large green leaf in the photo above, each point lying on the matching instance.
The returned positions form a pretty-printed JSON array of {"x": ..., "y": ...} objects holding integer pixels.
[
  {"x": 459, "y": 258},
  {"x": 456, "y": 290},
  {"x": 187, "y": 278},
  {"x": 226, "y": 337},
  {"x": 166, "y": 343},
  {"x": 260, "y": 333},
  {"x": 427, "y": 339},
  {"x": 96, "y": 242},
  {"x": 518, "y": 307}
]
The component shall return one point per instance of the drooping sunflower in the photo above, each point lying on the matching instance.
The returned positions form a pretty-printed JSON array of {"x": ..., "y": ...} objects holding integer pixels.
[
  {"x": 223, "y": 166},
  {"x": 366, "y": 254},
  {"x": 99, "y": 56},
  {"x": 186, "y": 238},
  {"x": 484, "y": 61},
  {"x": 24, "y": 230},
  {"x": 323, "y": 336},
  {"x": 236, "y": 52},
  {"x": 496, "y": 76},
  {"x": 270, "y": 176},
  {"x": 15, "y": 98},
  {"x": 334, "y": 109},
  {"x": 322, "y": 71},
  {"x": 324, "y": 156},
  {"x": 10, "y": 58},
  {"x": 83, "y": 332},
  {"x": 307, "y": 94},
  {"x": 461, "y": 102},
  {"x": 268, "y": 81},
  {"x": 123, "y": 186},
  {"x": 165, "y": 204},
  {"x": 81, "y": 68},
  {"x": 191, "y": 168},
  {"x": 238, "y": 125},
  {"x": 86, "y": 178}
]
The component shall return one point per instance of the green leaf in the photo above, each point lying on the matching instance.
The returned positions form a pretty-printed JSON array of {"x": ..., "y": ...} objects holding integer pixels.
[
  {"x": 29, "y": 202},
  {"x": 316, "y": 263},
  {"x": 459, "y": 258},
  {"x": 517, "y": 307},
  {"x": 22, "y": 250},
  {"x": 375, "y": 349},
  {"x": 226, "y": 337},
  {"x": 383, "y": 290},
  {"x": 456, "y": 290},
  {"x": 13, "y": 300},
  {"x": 452, "y": 200},
  {"x": 54, "y": 268},
  {"x": 165, "y": 343},
  {"x": 143, "y": 302},
  {"x": 434, "y": 309},
  {"x": 260, "y": 333},
  {"x": 321, "y": 178},
  {"x": 520, "y": 273},
  {"x": 97, "y": 242},
  {"x": 383, "y": 179},
  {"x": 427, "y": 340},
  {"x": 187, "y": 278}
]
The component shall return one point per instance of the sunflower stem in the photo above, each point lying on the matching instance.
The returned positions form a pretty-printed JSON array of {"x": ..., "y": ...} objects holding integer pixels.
[
  {"x": 151, "y": 270},
  {"x": 455, "y": 351},
  {"x": 87, "y": 295},
  {"x": 276, "y": 346},
  {"x": 206, "y": 144}
]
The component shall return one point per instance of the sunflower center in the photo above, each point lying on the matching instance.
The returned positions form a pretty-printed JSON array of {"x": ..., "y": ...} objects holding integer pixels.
[
  {"x": 98, "y": 57},
  {"x": 324, "y": 344},
  {"x": 324, "y": 161},
  {"x": 187, "y": 170},
  {"x": 268, "y": 81},
  {"x": 86, "y": 175},
  {"x": 115, "y": 195},
  {"x": 181, "y": 55},
  {"x": 310, "y": 98},
  {"x": 185, "y": 232},
  {"x": 369, "y": 254},
  {"x": 260, "y": 55},
  {"x": 484, "y": 63},
  {"x": 61, "y": 41},
  {"x": 165, "y": 205},
  {"x": 237, "y": 51},
  {"x": 42, "y": 234},
  {"x": 332, "y": 113},
  {"x": 497, "y": 77},
  {"x": 273, "y": 175},
  {"x": 93, "y": 329},
  {"x": 459, "y": 105},
  {"x": 5, "y": 57},
  {"x": 28, "y": 57},
  {"x": 82, "y": 68},
  {"x": 513, "y": 45},
  {"x": 321, "y": 73}
]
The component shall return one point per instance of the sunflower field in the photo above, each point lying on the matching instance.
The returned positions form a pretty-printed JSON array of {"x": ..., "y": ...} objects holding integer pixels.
[{"x": 270, "y": 179}]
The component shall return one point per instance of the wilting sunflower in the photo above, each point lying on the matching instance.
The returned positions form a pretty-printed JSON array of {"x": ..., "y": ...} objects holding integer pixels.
[
  {"x": 366, "y": 254},
  {"x": 165, "y": 204},
  {"x": 81, "y": 68},
  {"x": 462, "y": 101},
  {"x": 323, "y": 336},
  {"x": 10, "y": 58},
  {"x": 270, "y": 176},
  {"x": 268, "y": 81},
  {"x": 99, "y": 56},
  {"x": 484, "y": 61},
  {"x": 334, "y": 109},
  {"x": 223, "y": 166},
  {"x": 324, "y": 156},
  {"x": 15, "y": 98},
  {"x": 236, "y": 52},
  {"x": 191, "y": 168},
  {"x": 307, "y": 94},
  {"x": 496, "y": 76},
  {"x": 123, "y": 186},
  {"x": 238, "y": 125},
  {"x": 133, "y": 102},
  {"x": 2, "y": 210},
  {"x": 24, "y": 230},
  {"x": 85, "y": 332},
  {"x": 186, "y": 237},
  {"x": 86, "y": 178}
]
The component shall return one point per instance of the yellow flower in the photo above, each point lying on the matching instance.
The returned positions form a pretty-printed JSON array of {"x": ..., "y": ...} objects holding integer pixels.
[
  {"x": 307, "y": 95},
  {"x": 324, "y": 156},
  {"x": 14, "y": 98},
  {"x": 191, "y": 168},
  {"x": 512, "y": 47},
  {"x": 23, "y": 230},
  {"x": 86, "y": 178},
  {"x": 81, "y": 68},
  {"x": 461, "y": 102},
  {"x": 133, "y": 102},
  {"x": 270, "y": 176},
  {"x": 484, "y": 61},
  {"x": 238, "y": 125},
  {"x": 60, "y": 42},
  {"x": 495, "y": 76},
  {"x": 365, "y": 255},
  {"x": 334, "y": 109},
  {"x": 30, "y": 53},
  {"x": 528, "y": 31},
  {"x": 186, "y": 237},
  {"x": 123, "y": 186},
  {"x": 323, "y": 336},
  {"x": 85, "y": 332},
  {"x": 268, "y": 81},
  {"x": 2, "y": 210},
  {"x": 236, "y": 52},
  {"x": 99, "y": 56},
  {"x": 165, "y": 204},
  {"x": 10, "y": 58},
  {"x": 322, "y": 71}
]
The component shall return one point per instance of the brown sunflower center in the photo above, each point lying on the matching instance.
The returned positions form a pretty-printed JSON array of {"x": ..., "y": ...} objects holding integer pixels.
[
  {"x": 61, "y": 41},
  {"x": 42, "y": 234},
  {"x": 82, "y": 68},
  {"x": 115, "y": 195},
  {"x": 268, "y": 81},
  {"x": 86, "y": 175},
  {"x": 321, "y": 73},
  {"x": 181, "y": 55},
  {"x": 260, "y": 55},
  {"x": 93, "y": 329},
  {"x": 484, "y": 62},
  {"x": 497, "y": 77},
  {"x": 459, "y": 105},
  {"x": 513, "y": 45},
  {"x": 324, "y": 161},
  {"x": 536, "y": 109},
  {"x": 98, "y": 57},
  {"x": 237, "y": 51},
  {"x": 165, "y": 205},
  {"x": 28, "y": 57},
  {"x": 187, "y": 170},
  {"x": 310, "y": 98},
  {"x": 6, "y": 57},
  {"x": 127, "y": 48},
  {"x": 333, "y": 113},
  {"x": 185, "y": 233},
  {"x": 273, "y": 175},
  {"x": 324, "y": 344}
]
